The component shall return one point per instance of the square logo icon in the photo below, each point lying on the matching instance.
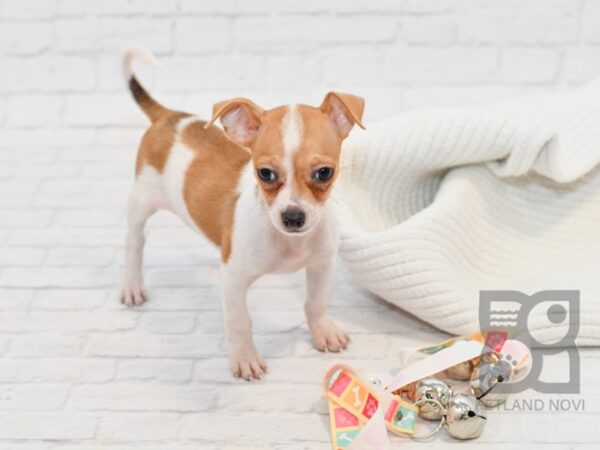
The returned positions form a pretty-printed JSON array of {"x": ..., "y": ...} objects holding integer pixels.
[{"x": 521, "y": 328}]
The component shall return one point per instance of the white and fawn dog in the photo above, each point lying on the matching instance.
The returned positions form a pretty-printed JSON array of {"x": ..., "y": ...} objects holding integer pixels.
[{"x": 257, "y": 190}]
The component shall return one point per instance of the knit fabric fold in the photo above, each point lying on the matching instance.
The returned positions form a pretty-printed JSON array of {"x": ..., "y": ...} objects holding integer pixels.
[{"x": 438, "y": 205}]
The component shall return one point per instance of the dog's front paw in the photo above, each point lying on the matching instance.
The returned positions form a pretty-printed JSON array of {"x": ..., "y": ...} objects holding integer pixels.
[
  {"x": 327, "y": 336},
  {"x": 247, "y": 363},
  {"x": 133, "y": 293}
]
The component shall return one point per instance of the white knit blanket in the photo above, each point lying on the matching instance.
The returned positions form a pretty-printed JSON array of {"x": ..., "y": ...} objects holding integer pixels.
[{"x": 438, "y": 205}]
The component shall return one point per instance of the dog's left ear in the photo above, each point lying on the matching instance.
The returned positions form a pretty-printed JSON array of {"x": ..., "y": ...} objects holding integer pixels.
[
  {"x": 241, "y": 119},
  {"x": 344, "y": 110}
]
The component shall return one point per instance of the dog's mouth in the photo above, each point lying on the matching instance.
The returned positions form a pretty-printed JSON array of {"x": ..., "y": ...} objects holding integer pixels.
[
  {"x": 306, "y": 229},
  {"x": 296, "y": 231}
]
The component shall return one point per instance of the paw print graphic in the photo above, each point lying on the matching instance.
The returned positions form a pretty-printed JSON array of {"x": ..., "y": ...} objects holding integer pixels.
[
  {"x": 515, "y": 358},
  {"x": 509, "y": 364}
]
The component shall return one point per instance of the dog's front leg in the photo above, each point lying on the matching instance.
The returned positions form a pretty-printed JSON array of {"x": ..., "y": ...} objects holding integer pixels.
[
  {"x": 244, "y": 358},
  {"x": 326, "y": 335}
]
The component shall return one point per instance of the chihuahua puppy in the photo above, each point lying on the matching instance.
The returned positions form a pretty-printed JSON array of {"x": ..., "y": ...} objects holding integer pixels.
[{"x": 258, "y": 190}]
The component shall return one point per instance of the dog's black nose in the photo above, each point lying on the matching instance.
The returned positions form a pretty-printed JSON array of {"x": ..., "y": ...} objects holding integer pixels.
[{"x": 293, "y": 218}]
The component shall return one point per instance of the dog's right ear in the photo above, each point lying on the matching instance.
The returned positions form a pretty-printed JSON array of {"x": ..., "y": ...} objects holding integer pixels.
[{"x": 241, "y": 118}]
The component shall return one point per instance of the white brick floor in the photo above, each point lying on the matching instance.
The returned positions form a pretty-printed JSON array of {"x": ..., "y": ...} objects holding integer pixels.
[{"x": 79, "y": 371}]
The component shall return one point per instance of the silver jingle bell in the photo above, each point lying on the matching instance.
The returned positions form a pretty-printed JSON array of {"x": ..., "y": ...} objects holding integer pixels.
[
  {"x": 485, "y": 381},
  {"x": 432, "y": 389},
  {"x": 462, "y": 419}
]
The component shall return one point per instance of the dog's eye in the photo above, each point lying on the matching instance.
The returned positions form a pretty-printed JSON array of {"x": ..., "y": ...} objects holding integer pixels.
[
  {"x": 323, "y": 174},
  {"x": 267, "y": 175}
]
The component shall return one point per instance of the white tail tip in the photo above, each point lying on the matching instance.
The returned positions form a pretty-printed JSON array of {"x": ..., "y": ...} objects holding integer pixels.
[{"x": 136, "y": 52}]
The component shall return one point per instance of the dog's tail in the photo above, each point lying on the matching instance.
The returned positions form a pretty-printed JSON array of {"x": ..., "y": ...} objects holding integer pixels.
[{"x": 151, "y": 107}]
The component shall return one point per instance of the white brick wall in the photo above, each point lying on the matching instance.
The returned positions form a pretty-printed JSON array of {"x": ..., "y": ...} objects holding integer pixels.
[
  {"x": 61, "y": 76},
  {"x": 78, "y": 370}
]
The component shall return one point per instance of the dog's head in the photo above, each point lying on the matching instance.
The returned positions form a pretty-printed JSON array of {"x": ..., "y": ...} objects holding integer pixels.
[{"x": 295, "y": 152}]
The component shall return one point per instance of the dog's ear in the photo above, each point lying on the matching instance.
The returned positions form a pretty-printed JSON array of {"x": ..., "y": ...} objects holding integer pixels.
[
  {"x": 344, "y": 110},
  {"x": 241, "y": 118}
]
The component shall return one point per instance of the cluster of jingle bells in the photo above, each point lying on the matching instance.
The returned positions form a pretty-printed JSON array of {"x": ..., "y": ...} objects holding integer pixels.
[{"x": 459, "y": 413}]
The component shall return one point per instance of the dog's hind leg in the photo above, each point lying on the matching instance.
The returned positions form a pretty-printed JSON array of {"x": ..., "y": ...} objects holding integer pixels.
[{"x": 141, "y": 206}]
